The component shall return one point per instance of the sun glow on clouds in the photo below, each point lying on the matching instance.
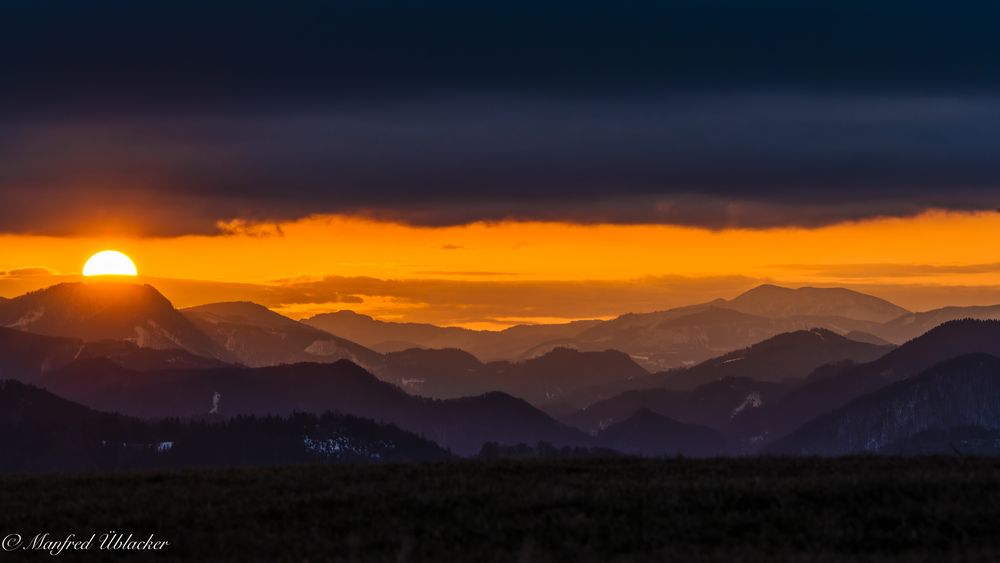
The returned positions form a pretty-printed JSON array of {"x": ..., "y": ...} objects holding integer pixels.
[{"x": 495, "y": 273}]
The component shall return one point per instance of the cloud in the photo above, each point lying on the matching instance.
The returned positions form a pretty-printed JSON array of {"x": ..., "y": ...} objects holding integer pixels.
[
  {"x": 25, "y": 272},
  {"x": 249, "y": 228},
  {"x": 171, "y": 118},
  {"x": 118, "y": 54},
  {"x": 889, "y": 270},
  {"x": 464, "y": 273},
  {"x": 743, "y": 161}
]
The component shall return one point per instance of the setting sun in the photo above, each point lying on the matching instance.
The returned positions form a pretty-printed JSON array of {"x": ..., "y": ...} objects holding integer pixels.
[{"x": 109, "y": 263}]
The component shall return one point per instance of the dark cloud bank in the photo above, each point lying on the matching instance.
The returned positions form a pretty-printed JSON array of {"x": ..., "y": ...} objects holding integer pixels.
[{"x": 711, "y": 113}]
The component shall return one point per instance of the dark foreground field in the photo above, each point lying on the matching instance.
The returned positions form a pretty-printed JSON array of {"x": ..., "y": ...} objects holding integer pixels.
[{"x": 929, "y": 509}]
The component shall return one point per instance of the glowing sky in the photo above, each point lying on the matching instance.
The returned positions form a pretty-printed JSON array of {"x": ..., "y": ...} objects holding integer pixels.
[{"x": 490, "y": 275}]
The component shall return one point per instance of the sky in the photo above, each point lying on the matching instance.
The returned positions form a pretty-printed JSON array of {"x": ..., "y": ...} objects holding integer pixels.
[{"x": 487, "y": 163}]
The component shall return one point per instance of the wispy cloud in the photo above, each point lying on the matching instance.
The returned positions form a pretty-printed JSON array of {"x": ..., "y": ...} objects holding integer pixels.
[{"x": 888, "y": 270}]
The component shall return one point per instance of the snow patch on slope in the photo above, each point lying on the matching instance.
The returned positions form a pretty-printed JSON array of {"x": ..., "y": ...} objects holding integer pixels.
[
  {"x": 27, "y": 319},
  {"x": 752, "y": 401}
]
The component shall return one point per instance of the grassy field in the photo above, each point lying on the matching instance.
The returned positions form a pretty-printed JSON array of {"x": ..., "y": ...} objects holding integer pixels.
[{"x": 929, "y": 509}]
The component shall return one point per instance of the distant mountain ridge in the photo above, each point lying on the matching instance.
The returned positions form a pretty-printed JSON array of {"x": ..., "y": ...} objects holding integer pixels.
[
  {"x": 50, "y": 433},
  {"x": 26, "y": 356},
  {"x": 775, "y": 301},
  {"x": 713, "y": 404},
  {"x": 912, "y": 325},
  {"x": 250, "y": 334},
  {"x": 560, "y": 374},
  {"x": 963, "y": 392},
  {"x": 735, "y": 401},
  {"x": 659, "y": 340},
  {"x": 462, "y": 424},
  {"x": 257, "y": 336},
  {"x": 106, "y": 310},
  {"x": 756, "y": 412},
  {"x": 790, "y": 355},
  {"x": 820, "y": 395},
  {"x": 387, "y": 336},
  {"x": 651, "y": 434}
]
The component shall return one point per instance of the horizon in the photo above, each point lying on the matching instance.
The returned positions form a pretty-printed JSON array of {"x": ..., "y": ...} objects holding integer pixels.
[
  {"x": 140, "y": 280},
  {"x": 402, "y": 273}
]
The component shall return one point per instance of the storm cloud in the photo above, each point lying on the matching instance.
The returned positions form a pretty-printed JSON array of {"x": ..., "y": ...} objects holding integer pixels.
[{"x": 173, "y": 118}]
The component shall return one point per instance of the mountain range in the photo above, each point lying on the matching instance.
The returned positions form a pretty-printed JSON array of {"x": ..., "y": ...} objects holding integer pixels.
[
  {"x": 780, "y": 369},
  {"x": 560, "y": 375},
  {"x": 462, "y": 425},
  {"x": 790, "y": 355},
  {"x": 651, "y": 434},
  {"x": 714, "y": 404},
  {"x": 27, "y": 356},
  {"x": 959, "y": 394},
  {"x": 657, "y": 341},
  {"x": 385, "y": 336},
  {"x": 831, "y": 387},
  {"x": 257, "y": 336},
  {"x": 91, "y": 311},
  {"x": 52, "y": 434}
]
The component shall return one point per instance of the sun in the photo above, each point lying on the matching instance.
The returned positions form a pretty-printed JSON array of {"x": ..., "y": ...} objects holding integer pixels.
[{"x": 109, "y": 263}]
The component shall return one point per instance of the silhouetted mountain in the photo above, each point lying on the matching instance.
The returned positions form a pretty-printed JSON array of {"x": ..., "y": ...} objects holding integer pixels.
[
  {"x": 385, "y": 336},
  {"x": 824, "y": 394},
  {"x": 461, "y": 424},
  {"x": 774, "y": 301},
  {"x": 562, "y": 371},
  {"x": 42, "y": 432},
  {"x": 554, "y": 376},
  {"x": 26, "y": 356},
  {"x": 688, "y": 336},
  {"x": 651, "y": 434},
  {"x": 913, "y": 325},
  {"x": 713, "y": 404},
  {"x": 659, "y": 340},
  {"x": 258, "y": 336},
  {"x": 959, "y": 393},
  {"x": 867, "y": 338},
  {"x": 52, "y": 434},
  {"x": 508, "y": 344},
  {"x": 106, "y": 310},
  {"x": 130, "y": 356},
  {"x": 442, "y": 374},
  {"x": 792, "y": 355}
]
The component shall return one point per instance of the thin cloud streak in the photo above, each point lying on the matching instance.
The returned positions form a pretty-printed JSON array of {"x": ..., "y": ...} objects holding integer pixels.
[{"x": 889, "y": 270}]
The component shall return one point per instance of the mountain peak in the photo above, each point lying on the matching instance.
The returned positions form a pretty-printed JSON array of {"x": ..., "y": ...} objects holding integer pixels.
[
  {"x": 770, "y": 300},
  {"x": 259, "y": 336},
  {"x": 343, "y": 313},
  {"x": 107, "y": 310},
  {"x": 786, "y": 356},
  {"x": 766, "y": 288},
  {"x": 247, "y": 312}
]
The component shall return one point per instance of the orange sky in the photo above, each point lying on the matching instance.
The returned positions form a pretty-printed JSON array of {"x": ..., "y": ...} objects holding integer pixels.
[{"x": 919, "y": 262}]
